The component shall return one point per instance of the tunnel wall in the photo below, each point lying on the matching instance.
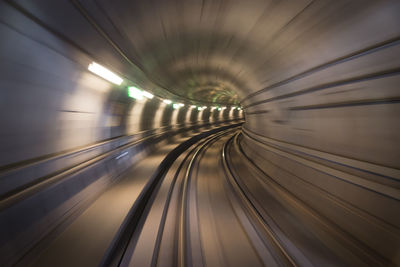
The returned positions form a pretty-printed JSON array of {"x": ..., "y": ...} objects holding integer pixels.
[
  {"x": 325, "y": 125},
  {"x": 51, "y": 103},
  {"x": 66, "y": 134}
]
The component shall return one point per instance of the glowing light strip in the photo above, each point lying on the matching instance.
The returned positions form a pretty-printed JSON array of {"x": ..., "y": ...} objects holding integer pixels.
[
  {"x": 105, "y": 73},
  {"x": 135, "y": 93},
  {"x": 177, "y": 105},
  {"x": 147, "y": 95}
]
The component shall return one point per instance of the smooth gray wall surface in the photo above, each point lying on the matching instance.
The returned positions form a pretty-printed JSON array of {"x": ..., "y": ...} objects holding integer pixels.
[
  {"x": 49, "y": 101},
  {"x": 326, "y": 126}
]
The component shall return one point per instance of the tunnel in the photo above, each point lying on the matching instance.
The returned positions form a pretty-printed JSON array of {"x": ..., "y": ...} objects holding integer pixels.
[{"x": 182, "y": 133}]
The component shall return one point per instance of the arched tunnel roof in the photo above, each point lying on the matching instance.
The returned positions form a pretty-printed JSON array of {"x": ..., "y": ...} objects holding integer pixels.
[
  {"x": 222, "y": 51},
  {"x": 217, "y": 51}
]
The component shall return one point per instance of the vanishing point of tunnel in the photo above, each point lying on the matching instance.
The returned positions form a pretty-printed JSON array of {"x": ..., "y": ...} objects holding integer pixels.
[{"x": 204, "y": 133}]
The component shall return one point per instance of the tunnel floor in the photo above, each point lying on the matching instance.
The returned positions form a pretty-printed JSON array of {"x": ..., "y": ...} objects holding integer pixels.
[{"x": 211, "y": 207}]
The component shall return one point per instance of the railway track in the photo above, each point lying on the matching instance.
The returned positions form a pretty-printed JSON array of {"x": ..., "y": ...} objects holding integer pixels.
[
  {"x": 207, "y": 204},
  {"x": 214, "y": 208},
  {"x": 198, "y": 217}
]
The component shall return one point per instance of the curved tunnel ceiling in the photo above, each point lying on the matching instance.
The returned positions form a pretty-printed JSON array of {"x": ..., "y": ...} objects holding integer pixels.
[
  {"x": 210, "y": 51},
  {"x": 217, "y": 51}
]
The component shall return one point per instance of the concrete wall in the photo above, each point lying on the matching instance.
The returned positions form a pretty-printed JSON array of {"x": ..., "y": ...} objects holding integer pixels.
[
  {"x": 326, "y": 125},
  {"x": 51, "y": 103},
  {"x": 65, "y": 133}
]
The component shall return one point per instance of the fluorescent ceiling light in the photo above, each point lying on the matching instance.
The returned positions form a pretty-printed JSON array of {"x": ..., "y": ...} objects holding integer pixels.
[
  {"x": 135, "y": 93},
  {"x": 166, "y": 101},
  {"x": 105, "y": 73},
  {"x": 147, "y": 95},
  {"x": 178, "y": 105}
]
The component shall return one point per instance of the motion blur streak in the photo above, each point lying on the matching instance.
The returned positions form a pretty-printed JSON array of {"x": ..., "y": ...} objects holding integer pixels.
[{"x": 217, "y": 133}]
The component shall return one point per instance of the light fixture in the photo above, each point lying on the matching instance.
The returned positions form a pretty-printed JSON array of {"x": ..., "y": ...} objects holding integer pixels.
[
  {"x": 135, "y": 93},
  {"x": 177, "y": 105},
  {"x": 167, "y": 101},
  {"x": 147, "y": 95},
  {"x": 105, "y": 73}
]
